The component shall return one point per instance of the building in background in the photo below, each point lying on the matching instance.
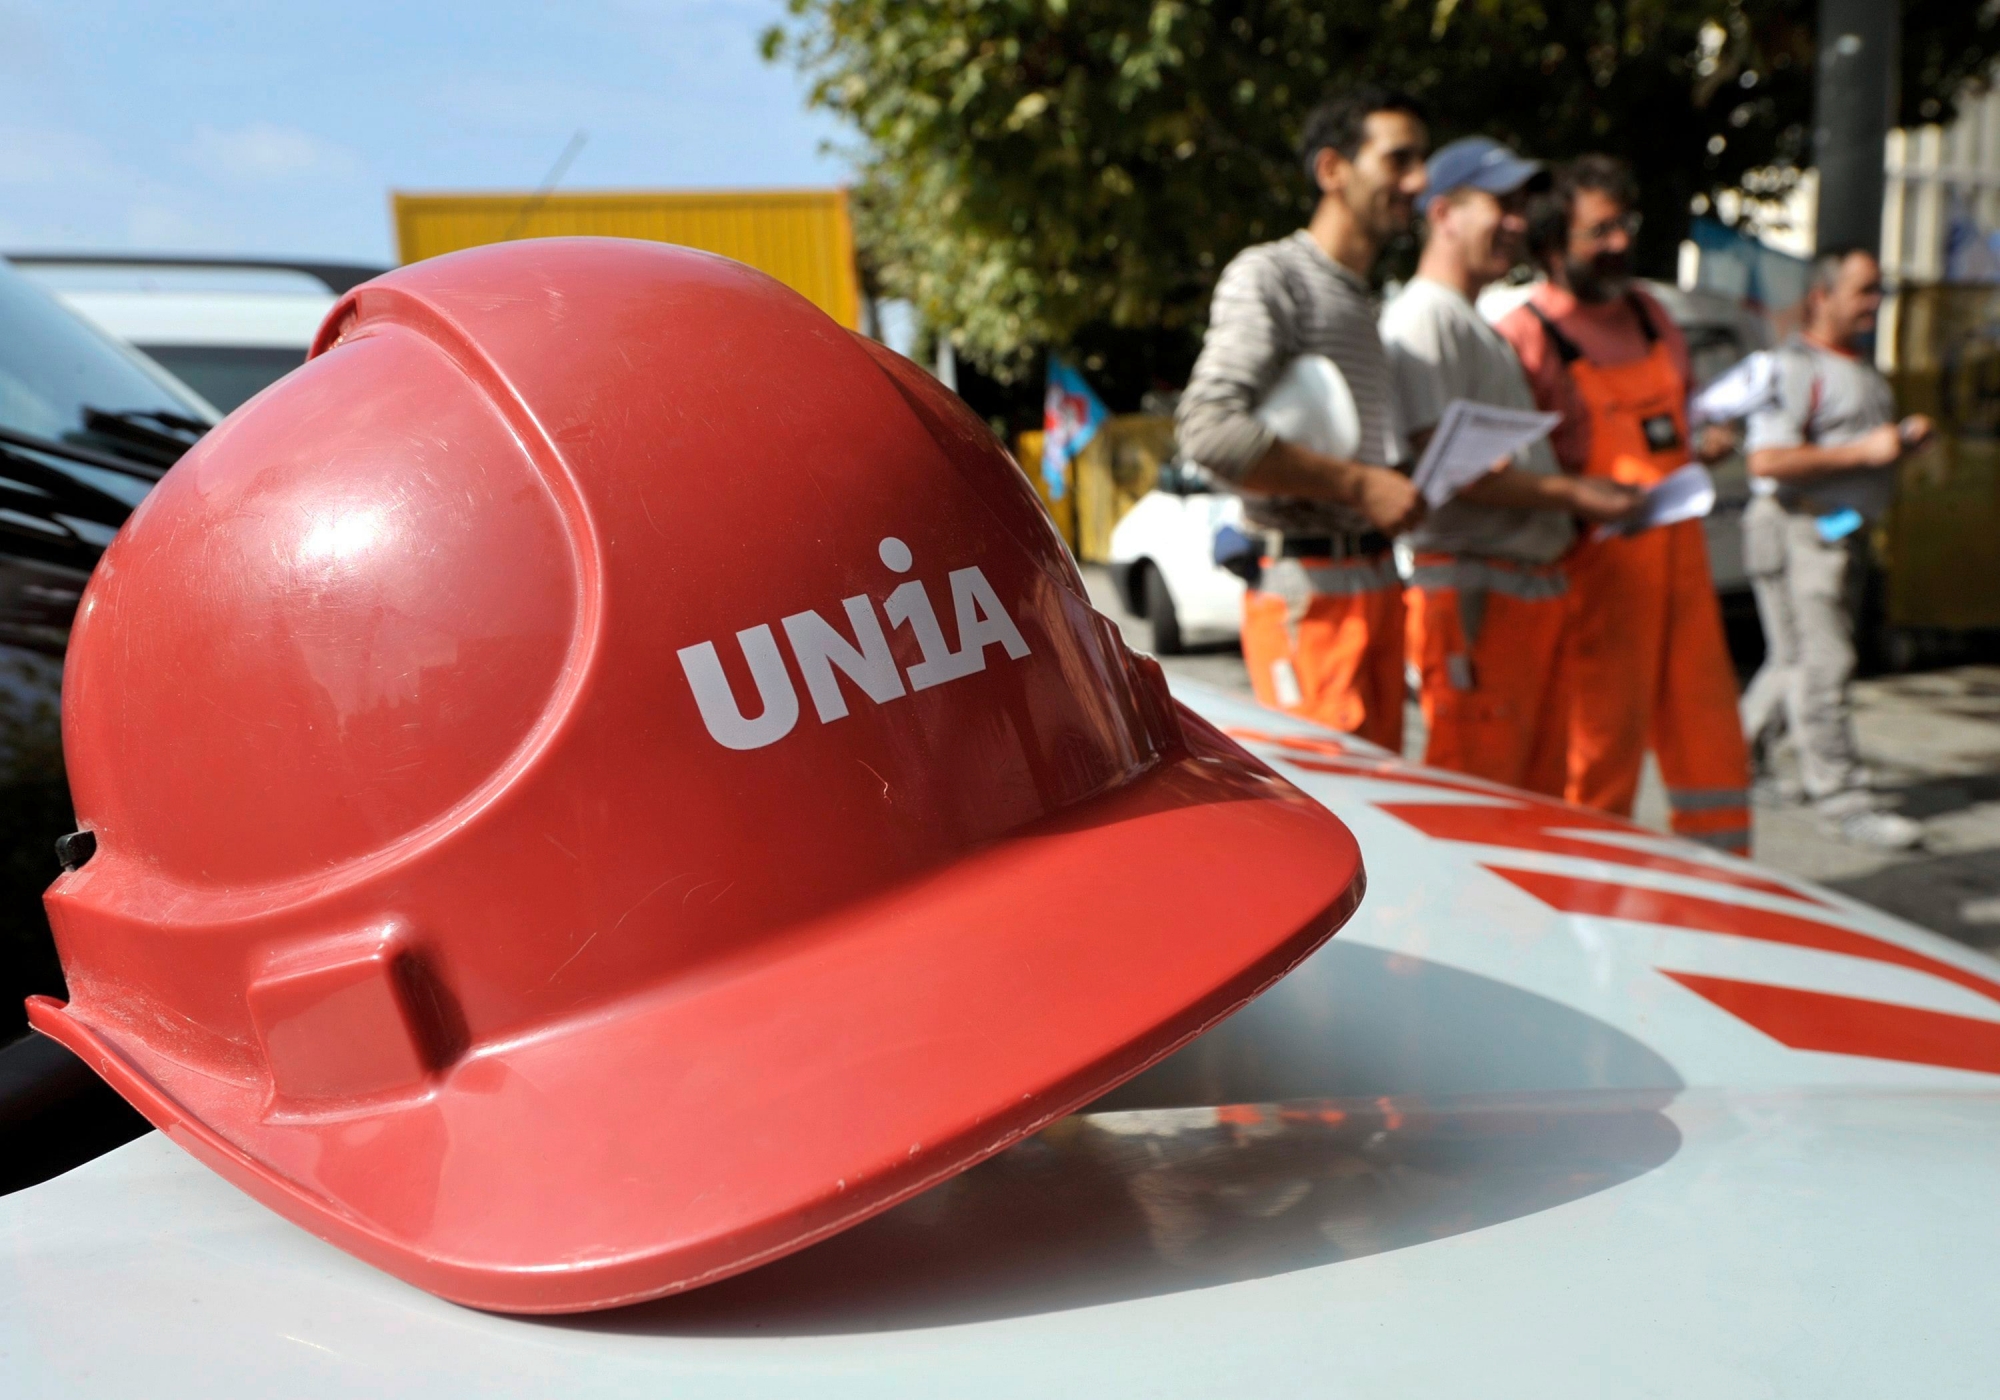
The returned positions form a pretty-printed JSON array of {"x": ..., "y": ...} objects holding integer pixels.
[
  {"x": 1940, "y": 224},
  {"x": 1941, "y": 209},
  {"x": 1938, "y": 340}
]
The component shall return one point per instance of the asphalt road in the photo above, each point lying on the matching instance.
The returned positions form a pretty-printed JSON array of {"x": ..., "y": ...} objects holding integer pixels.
[{"x": 1932, "y": 740}]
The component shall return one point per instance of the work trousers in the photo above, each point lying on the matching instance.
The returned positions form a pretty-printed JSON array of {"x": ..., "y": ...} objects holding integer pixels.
[
  {"x": 1323, "y": 639},
  {"x": 1805, "y": 599},
  {"x": 1647, "y": 662},
  {"x": 1485, "y": 636}
]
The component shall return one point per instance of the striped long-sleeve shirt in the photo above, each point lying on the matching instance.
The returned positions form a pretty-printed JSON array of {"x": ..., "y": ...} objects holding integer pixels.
[{"x": 1275, "y": 302}]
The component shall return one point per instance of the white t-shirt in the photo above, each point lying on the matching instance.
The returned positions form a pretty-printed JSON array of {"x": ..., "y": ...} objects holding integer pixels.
[{"x": 1441, "y": 349}]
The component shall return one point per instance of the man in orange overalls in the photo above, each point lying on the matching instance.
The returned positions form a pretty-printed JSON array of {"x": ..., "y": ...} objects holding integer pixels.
[{"x": 1645, "y": 655}]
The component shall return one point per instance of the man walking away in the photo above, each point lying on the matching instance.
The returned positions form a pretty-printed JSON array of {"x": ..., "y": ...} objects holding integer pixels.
[
  {"x": 1323, "y": 631},
  {"x": 1645, "y": 655},
  {"x": 1488, "y": 597},
  {"x": 1823, "y": 460}
]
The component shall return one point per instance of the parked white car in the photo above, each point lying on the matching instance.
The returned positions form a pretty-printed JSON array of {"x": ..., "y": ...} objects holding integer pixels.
[
  {"x": 1163, "y": 561},
  {"x": 224, "y": 326},
  {"x": 1568, "y": 1109},
  {"x": 1162, "y": 554}
]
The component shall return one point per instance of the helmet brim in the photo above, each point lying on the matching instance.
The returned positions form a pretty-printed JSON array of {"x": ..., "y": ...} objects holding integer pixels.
[{"x": 685, "y": 1135}]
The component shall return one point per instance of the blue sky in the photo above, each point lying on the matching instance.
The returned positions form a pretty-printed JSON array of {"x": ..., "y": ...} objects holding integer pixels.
[{"x": 280, "y": 127}]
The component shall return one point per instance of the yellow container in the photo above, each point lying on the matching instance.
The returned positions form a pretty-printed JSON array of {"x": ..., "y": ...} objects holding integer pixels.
[
  {"x": 1117, "y": 466},
  {"x": 801, "y": 237},
  {"x": 1028, "y": 454}
]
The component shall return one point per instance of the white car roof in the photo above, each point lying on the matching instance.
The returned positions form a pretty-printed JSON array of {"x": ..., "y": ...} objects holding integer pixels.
[
  {"x": 1568, "y": 1109},
  {"x": 250, "y": 303},
  {"x": 259, "y": 320},
  {"x": 1702, "y": 1243}
]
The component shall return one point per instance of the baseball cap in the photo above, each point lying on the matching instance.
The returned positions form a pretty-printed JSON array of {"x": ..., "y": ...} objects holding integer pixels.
[{"x": 1478, "y": 163}]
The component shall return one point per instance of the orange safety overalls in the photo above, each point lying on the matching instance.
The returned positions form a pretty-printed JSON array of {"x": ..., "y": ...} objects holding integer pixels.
[
  {"x": 1323, "y": 638},
  {"x": 1645, "y": 657},
  {"x": 1485, "y": 636}
]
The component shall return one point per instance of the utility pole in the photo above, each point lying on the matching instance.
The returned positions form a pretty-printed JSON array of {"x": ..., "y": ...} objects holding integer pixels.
[{"x": 1853, "y": 107}]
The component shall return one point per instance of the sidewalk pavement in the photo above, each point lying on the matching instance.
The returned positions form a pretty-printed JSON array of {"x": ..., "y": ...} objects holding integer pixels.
[{"x": 1932, "y": 740}]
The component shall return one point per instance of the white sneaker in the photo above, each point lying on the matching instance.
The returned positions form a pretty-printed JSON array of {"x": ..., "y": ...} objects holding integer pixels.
[{"x": 1884, "y": 831}]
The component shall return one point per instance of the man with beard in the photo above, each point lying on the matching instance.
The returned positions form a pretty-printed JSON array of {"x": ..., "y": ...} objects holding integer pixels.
[
  {"x": 1823, "y": 457},
  {"x": 1323, "y": 629},
  {"x": 1644, "y": 657},
  {"x": 1488, "y": 599}
]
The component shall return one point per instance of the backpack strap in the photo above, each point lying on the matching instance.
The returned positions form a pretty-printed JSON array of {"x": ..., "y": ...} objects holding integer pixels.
[
  {"x": 1567, "y": 350},
  {"x": 1645, "y": 318}
]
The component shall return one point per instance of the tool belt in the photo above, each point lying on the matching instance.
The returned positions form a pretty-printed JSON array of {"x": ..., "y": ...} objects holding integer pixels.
[
  {"x": 1357, "y": 546},
  {"x": 1466, "y": 573}
]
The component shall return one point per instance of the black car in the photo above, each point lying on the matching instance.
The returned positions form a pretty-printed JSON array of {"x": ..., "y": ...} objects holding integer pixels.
[{"x": 86, "y": 427}]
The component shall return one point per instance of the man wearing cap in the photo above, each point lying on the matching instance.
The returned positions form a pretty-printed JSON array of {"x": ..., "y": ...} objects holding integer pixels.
[
  {"x": 1488, "y": 596},
  {"x": 1823, "y": 454},
  {"x": 1645, "y": 657},
  {"x": 1323, "y": 631}
]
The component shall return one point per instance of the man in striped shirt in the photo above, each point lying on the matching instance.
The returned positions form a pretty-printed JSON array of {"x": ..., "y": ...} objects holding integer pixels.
[{"x": 1323, "y": 630}]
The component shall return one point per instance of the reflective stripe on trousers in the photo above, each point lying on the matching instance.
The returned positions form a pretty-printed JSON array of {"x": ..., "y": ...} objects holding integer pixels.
[
  {"x": 1324, "y": 639},
  {"x": 1718, "y": 817},
  {"x": 1528, "y": 582},
  {"x": 1295, "y": 579},
  {"x": 1736, "y": 840},
  {"x": 1485, "y": 637}
]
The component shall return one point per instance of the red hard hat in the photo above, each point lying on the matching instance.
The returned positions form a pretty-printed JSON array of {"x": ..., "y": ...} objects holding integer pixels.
[{"x": 603, "y": 778}]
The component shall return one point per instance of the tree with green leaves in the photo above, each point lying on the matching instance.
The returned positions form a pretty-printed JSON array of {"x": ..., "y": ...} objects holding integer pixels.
[{"x": 1074, "y": 173}]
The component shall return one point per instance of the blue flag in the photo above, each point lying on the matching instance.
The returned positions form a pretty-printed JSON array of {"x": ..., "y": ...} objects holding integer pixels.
[{"x": 1071, "y": 416}]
